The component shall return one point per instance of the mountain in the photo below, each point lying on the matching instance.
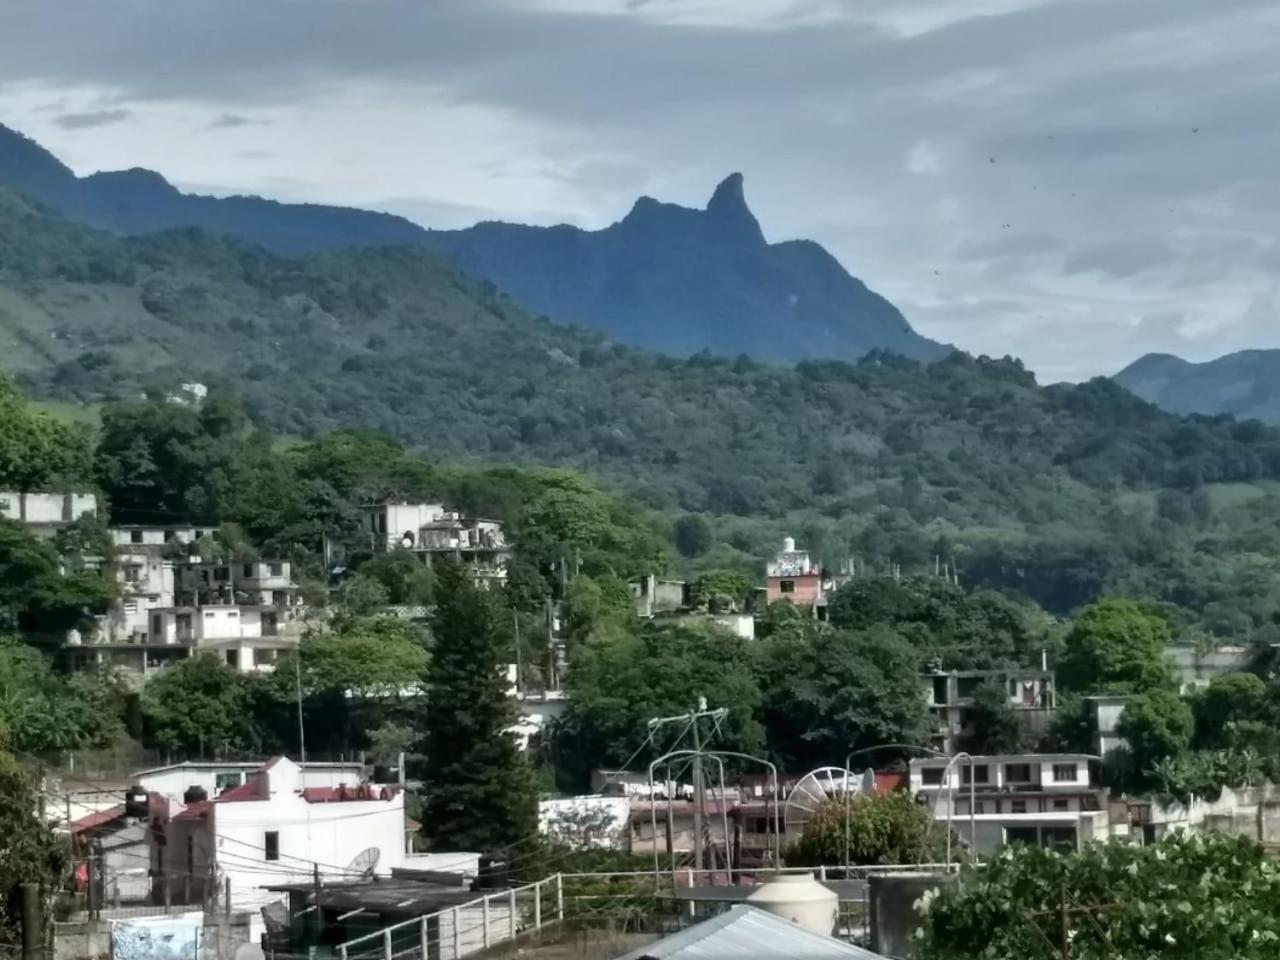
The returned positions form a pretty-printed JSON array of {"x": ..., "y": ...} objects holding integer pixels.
[
  {"x": 665, "y": 277},
  {"x": 1245, "y": 384},
  {"x": 1057, "y": 494}
]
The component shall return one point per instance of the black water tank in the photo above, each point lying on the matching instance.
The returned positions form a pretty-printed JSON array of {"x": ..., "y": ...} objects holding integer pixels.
[
  {"x": 194, "y": 794},
  {"x": 135, "y": 802},
  {"x": 385, "y": 773},
  {"x": 494, "y": 874}
]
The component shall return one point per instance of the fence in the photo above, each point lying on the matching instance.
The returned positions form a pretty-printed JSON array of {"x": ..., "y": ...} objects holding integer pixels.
[{"x": 626, "y": 897}]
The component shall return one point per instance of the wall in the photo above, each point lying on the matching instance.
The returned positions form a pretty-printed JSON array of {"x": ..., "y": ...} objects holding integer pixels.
[
  {"x": 172, "y": 782},
  {"x": 46, "y": 508}
]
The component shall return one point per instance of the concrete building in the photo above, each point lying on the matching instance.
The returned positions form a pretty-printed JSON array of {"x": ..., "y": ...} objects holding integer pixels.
[
  {"x": 1197, "y": 667},
  {"x": 1031, "y": 694},
  {"x": 654, "y": 595},
  {"x": 429, "y": 531},
  {"x": 275, "y": 829},
  {"x": 263, "y": 583},
  {"x": 135, "y": 538},
  {"x": 1106, "y": 712},
  {"x": 1037, "y": 799},
  {"x": 45, "y": 514},
  {"x": 793, "y": 575},
  {"x": 392, "y": 525},
  {"x": 172, "y": 781}
]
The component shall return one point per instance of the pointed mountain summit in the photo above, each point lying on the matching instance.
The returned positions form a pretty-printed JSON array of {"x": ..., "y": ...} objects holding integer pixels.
[{"x": 667, "y": 278}]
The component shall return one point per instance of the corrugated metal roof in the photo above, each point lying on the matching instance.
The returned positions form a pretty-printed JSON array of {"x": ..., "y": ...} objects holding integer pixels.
[{"x": 749, "y": 932}]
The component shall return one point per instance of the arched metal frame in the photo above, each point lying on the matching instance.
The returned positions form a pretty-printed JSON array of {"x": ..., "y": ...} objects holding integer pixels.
[
  {"x": 718, "y": 756},
  {"x": 848, "y": 800}
]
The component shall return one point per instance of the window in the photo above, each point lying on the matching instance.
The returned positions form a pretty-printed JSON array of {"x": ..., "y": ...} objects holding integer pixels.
[
  {"x": 1062, "y": 804},
  {"x": 1017, "y": 773},
  {"x": 1025, "y": 835},
  {"x": 967, "y": 686},
  {"x": 931, "y": 776},
  {"x": 981, "y": 774},
  {"x": 940, "y": 690},
  {"x": 1018, "y": 806},
  {"x": 1060, "y": 837},
  {"x": 277, "y": 569},
  {"x": 271, "y": 844},
  {"x": 169, "y": 535},
  {"x": 981, "y": 807},
  {"x": 210, "y": 614},
  {"x": 221, "y": 573},
  {"x": 248, "y": 570},
  {"x": 233, "y": 658},
  {"x": 225, "y": 781},
  {"x": 191, "y": 854},
  {"x": 1065, "y": 772},
  {"x": 787, "y": 586},
  {"x": 135, "y": 536},
  {"x": 132, "y": 573}
]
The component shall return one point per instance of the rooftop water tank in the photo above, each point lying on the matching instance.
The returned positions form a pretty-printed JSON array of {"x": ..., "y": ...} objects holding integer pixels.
[
  {"x": 788, "y": 544},
  {"x": 135, "y": 802},
  {"x": 801, "y": 899},
  {"x": 194, "y": 794}
]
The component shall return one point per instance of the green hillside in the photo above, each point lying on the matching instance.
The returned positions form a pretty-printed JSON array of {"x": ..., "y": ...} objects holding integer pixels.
[{"x": 1058, "y": 493}]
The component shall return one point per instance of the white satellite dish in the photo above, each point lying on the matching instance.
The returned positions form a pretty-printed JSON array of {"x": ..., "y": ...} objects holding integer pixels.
[
  {"x": 364, "y": 863},
  {"x": 813, "y": 790}
]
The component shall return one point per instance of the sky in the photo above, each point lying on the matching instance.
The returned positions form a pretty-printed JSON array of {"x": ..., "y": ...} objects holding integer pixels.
[{"x": 1073, "y": 182}]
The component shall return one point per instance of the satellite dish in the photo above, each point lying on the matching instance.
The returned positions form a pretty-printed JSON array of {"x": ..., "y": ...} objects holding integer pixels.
[
  {"x": 813, "y": 790},
  {"x": 408, "y": 540},
  {"x": 365, "y": 862}
]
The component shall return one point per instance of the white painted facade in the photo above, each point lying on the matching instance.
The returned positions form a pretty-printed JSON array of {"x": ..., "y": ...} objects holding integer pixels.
[
  {"x": 1039, "y": 799},
  {"x": 45, "y": 513},
  {"x": 214, "y": 777},
  {"x": 132, "y": 537},
  {"x": 267, "y": 832},
  {"x": 389, "y": 525}
]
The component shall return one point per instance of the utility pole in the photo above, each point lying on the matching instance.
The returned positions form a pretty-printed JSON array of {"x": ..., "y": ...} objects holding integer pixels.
[{"x": 699, "y": 793}]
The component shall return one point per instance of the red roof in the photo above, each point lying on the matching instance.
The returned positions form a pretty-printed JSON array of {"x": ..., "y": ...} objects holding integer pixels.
[
  {"x": 92, "y": 820},
  {"x": 364, "y": 792},
  {"x": 251, "y": 789},
  {"x": 888, "y": 781},
  {"x": 195, "y": 811}
]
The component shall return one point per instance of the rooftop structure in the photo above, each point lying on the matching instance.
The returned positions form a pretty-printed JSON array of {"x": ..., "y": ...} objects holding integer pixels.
[
  {"x": 44, "y": 514},
  {"x": 793, "y": 575},
  {"x": 1030, "y": 693}
]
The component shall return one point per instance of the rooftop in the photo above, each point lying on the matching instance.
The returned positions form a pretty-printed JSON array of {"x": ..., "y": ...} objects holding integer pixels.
[
  {"x": 747, "y": 933},
  {"x": 381, "y": 895}
]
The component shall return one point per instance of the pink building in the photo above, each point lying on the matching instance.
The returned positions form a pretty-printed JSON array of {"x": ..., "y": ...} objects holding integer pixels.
[{"x": 796, "y": 577}]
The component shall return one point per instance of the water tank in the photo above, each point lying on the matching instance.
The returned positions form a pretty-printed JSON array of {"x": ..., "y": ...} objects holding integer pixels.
[
  {"x": 135, "y": 802},
  {"x": 494, "y": 872},
  {"x": 194, "y": 794},
  {"x": 789, "y": 545},
  {"x": 800, "y": 898},
  {"x": 893, "y": 899}
]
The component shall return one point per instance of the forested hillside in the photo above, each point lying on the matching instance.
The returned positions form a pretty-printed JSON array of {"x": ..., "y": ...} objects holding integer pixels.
[
  {"x": 1057, "y": 494},
  {"x": 1244, "y": 384}
]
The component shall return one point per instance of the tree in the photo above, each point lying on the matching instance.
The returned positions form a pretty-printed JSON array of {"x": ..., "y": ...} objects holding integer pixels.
[
  {"x": 993, "y": 725},
  {"x": 1116, "y": 646},
  {"x": 1208, "y": 896},
  {"x": 198, "y": 707},
  {"x": 621, "y": 678},
  {"x": 592, "y": 602},
  {"x": 479, "y": 786},
  {"x": 1229, "y": 706},
  {"x": 37, "y": 451},
  {"x": 1156, "y": 725},
  {"x": 878, "y": 828},
  {"x": 721, "y": 590},
  {"x": 30, "y": 852},
  {"x": 41, "y": 712},
  {"x": 406, "y": 579},
  {"x": 827, "y": 692},
  {"x": 36, "y": 596},
  {"x": 693, "y": 535},
  {"x": 363, "y": 596}
]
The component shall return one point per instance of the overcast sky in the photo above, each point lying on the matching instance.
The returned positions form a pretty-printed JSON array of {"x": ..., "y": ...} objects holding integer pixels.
[{"x": 1075, "y": 182}]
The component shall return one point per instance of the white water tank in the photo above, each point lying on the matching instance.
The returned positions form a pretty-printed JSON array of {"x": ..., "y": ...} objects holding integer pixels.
[
  {"x": 788, "y": 544},
  {"x": 800, "y": 898}
]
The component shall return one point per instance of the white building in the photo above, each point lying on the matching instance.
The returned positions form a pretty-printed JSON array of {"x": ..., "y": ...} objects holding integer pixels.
[
  {"x": 264, "y": 583},
  {"x": 950, "y": 695},
  {"x": 392, "y": 525},
  {"x": 46, "y": 513},
  {"x": 214, "y": 777},
  {"x": 275, "y": 829},
  {"x": 1106, "y": 711},
  {"x": 132, "y": 538},
  {"x": 1037, "y": 799}
]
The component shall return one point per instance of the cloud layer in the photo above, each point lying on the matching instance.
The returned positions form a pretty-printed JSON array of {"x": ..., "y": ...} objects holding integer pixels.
[{"x": 1072, "y": 181}]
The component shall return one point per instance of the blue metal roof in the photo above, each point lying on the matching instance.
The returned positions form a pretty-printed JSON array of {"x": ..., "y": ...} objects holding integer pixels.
[{"x": 745, "y": 931}]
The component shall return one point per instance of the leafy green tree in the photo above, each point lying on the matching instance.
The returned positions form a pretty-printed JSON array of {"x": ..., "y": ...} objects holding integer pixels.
[
  {"x": 878, "y": 828},
  {"x": 1156, "y": 725},
  {"x": 30, "y": 851},
  {"x": 593, "y": 602},
  {"x": 1229, "y": 706},
  {"x": 479, "y": 786},
  {"x": 200, "y": 707},
  {"x": 406, "y": 579},
  {"x": 827, "y": 692},
  {"x": 721, "y": 590},
  {"x": 36, "y": 596},
  {"x": 693, "y": 535},
  {"x": 621, "y": 679},
  {"x": 1116, "y": 646},
  {"x": 41, "y": 712},
  {"x": 38, "y": 451},
  {"x": 993, "y": 724},
  {"x": 363, "y": 596},
  {"x": 1190, "y": 897}
]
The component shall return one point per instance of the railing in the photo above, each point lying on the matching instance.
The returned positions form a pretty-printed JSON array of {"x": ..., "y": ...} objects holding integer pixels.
[{"x": 501, "y": 917}]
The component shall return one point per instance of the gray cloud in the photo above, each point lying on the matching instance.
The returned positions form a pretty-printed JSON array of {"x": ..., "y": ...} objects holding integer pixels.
[
  {"x": 95, "y": 118},
  {"x": 1133, "y": 144}
]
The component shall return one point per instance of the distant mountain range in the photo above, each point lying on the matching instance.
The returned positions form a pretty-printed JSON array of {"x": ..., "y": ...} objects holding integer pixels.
[
  {"x": 666, "y": 278},
  {"x": 1244, "y": 384}
]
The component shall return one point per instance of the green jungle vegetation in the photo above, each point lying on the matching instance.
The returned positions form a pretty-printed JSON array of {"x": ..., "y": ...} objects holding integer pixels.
[{"x": 1054, "y": 495}]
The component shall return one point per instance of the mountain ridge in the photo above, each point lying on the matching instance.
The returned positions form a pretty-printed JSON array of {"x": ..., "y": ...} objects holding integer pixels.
[
  {"x": 664, "y": 277},
  {"x": 1244, "y": 384}
]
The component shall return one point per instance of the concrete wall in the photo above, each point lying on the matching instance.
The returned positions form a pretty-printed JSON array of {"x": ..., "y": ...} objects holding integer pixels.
[
  {"x": 221, "y": 936},
  {"x": 46, "y": 508}
]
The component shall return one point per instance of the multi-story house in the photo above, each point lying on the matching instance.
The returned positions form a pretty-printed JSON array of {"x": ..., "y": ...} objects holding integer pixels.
[
  {"x": 1037, "y": 799},
  {"x": 950, "y": 696},
  {"x": 428, "y": 531},
  {"x": 44, "y": 514},
  {"x": 793, "y": 575}
]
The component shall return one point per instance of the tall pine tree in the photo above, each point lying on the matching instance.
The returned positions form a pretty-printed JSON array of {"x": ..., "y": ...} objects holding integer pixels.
[{"x": 480, "y": 787}]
